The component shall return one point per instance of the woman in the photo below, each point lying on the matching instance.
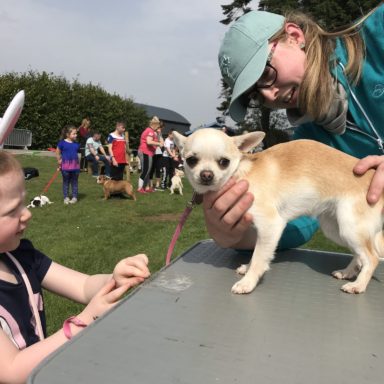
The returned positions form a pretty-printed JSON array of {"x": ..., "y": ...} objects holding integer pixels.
[
  {"x": 291, "y": 63},
  {"x": 147, "y": 148}
]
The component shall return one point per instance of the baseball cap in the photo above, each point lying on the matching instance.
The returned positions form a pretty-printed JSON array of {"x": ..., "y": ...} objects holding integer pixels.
[{"x": 243, "y": 54}]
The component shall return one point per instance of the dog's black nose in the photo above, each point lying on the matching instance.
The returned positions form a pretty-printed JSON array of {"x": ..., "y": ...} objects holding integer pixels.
[{"x": 206, "y": 176}]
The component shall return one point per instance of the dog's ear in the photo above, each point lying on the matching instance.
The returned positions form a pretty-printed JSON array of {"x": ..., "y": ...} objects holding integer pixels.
[
  {"x": 249, "y": 140},
  {"x": 179, "y": 140}
]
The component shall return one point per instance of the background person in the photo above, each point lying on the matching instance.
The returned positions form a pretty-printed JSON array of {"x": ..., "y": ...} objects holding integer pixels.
[
  {"x": 21, "y": 348},
  {"x": 84, "y": 132},
  {"x": 157, "y": 161},
  {"x": 117, "y": 151},
  {"x": 68, "y": 160},
  {"x": 330, "y": 98},
  {"x": 169, "y": 155},
  {"x": 147, "y": 148},
  {"x": 94, "y": 152}
]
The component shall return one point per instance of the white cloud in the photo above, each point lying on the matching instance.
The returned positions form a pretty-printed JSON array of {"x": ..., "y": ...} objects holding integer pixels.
[{"x": 160, "y": 52}]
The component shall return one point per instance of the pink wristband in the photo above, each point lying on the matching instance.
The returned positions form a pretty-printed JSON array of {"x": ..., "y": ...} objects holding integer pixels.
[{"x": 72, "y": 320}]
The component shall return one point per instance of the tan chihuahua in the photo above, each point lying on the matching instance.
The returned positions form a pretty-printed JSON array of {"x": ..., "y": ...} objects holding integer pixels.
[
  {"x": 112, "y": 187},
  {"x": 301, "y": 177}
]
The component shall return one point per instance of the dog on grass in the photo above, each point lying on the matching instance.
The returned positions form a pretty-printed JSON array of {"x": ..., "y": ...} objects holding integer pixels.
[
  {"x": 39, "y": 201},
  {"x": 176, "y": 183},
  {"x": 112, "y": 187},
  {"x": 301, "y": 177}
]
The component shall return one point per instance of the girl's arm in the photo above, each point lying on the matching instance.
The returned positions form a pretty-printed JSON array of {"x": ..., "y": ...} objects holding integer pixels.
[
  {"x": 82, "y": 288},
  {"x": 16, "y": 365},
  {"x": 114, "y": 162},
  {"x": 58, "y": 155}
]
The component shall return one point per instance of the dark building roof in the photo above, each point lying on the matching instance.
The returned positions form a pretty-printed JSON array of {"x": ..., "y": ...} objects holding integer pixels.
[{"x": 171, "y": 119}]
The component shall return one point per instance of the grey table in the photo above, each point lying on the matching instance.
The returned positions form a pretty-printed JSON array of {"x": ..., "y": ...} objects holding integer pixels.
[{"x": 185, "y": 326}]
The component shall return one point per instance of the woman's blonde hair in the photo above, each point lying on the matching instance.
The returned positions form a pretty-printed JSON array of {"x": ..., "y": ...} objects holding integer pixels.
[{"x": 317, "y": 89}]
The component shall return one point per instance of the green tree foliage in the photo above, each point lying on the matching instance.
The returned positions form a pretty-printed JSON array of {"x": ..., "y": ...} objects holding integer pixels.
[
  {"x": 51, "y": 102},
  {"x": 330, "y": 14}
]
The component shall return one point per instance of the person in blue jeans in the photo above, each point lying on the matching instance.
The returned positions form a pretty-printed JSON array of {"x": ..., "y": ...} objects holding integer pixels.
[
  {"x": 68, "y": 160},
  {"x": 94, "y": 152},
  {"x": 331, "y": 86}
]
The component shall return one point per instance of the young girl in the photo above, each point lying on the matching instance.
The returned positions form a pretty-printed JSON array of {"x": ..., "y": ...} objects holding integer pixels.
[
  {"x": 117, "y": 150},
  {"x": 147, "y": 148},
  {"x": 331, "y": 85},
  {"x": 21, "y": 346},
  {"x": 67, "y": 157}
]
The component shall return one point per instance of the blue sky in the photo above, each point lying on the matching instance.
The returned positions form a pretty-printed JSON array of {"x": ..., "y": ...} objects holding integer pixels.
[{"x": 158, "y": 52}]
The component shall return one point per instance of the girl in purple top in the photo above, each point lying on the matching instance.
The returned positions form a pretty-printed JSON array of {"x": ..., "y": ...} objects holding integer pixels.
[{"x": 67, "y": 157}]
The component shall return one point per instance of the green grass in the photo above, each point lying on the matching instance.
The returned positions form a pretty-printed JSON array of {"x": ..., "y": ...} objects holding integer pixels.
[{"x": 92, "y": 235}]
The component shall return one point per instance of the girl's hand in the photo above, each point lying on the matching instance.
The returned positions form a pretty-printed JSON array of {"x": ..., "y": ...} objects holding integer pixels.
[
  {"x": 114, "y": 162},
  {"x": 226, "y": 214},
  {"x": 132, "y": 270},
  {"x": 377, "y": 184},
  {"x": 107, "y": 297}
]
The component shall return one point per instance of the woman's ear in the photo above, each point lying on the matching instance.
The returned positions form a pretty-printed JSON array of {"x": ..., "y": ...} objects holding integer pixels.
[{"x": 294, "y": 33}]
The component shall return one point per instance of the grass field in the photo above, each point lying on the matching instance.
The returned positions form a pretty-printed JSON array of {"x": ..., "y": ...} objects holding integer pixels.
[{"x": 92, "y": 235}]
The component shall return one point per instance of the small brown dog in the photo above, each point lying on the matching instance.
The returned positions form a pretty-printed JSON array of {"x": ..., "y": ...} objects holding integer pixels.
[{"x": 112, "y": 187}]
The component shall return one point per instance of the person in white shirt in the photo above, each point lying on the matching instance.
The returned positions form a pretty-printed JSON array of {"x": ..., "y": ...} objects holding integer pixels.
[
  {"x": 94, "y": 152},
  {"x": 168, "y": 156}
]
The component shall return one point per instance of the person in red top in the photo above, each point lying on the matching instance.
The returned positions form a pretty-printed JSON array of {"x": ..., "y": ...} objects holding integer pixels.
[
  {"x": 147, "y": 148},
  {"x": 117, "y": 150}
]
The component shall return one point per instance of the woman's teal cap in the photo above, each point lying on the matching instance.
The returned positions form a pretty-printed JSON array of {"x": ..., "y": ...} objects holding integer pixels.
[{"x": 243, "y": 55}]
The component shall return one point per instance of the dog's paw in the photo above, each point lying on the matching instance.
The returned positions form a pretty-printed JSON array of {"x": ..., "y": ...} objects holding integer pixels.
[
  {"x": 242, "y": 270},
  {"x": 245, "y": 285},
  {"x": 353, "y": 287},
  {"x": 345, "y": 274}
]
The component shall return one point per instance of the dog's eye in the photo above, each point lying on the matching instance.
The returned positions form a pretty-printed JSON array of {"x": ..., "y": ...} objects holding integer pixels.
[
  {"x": 191, "y": 161},
  {"x": 223, "y": 163}
]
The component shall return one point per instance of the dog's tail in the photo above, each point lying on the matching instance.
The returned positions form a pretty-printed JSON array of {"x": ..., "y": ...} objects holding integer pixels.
[{"x": 379, "y": 244}]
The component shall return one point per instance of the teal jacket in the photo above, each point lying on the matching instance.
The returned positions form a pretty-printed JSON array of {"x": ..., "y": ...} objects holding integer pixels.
[{"x": 365, "y": 120}]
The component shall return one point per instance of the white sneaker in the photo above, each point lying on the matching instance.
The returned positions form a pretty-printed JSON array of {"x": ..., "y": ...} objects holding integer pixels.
[
  {"x": 73, "y": 200},
  {"x": 66, "y": 201}
]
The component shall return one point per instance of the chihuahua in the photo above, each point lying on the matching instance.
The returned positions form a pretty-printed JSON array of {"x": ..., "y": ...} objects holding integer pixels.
[
  {"x": 176, "y": 183},
  {"x": 301, "y": 177},
  {"x": 112, "y": 187}
]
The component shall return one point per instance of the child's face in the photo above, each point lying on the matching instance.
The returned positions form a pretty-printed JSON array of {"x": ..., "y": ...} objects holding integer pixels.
[
  {"x": 120, "y": 128},
  {"x": 14, "y": 215},
  {"x": 72, "y": 135}
]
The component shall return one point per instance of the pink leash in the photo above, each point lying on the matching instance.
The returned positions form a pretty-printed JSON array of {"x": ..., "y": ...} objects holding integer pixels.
[
  {"x": 196, "y": 199},
  {"x": 51, "y": 181}
]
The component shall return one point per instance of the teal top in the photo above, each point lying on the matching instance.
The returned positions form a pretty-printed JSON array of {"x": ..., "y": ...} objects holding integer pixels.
[{"x": 365, "y": 119}]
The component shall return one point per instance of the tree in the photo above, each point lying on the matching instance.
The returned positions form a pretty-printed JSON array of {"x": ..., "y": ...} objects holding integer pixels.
[{"x": 51, "y": 102}]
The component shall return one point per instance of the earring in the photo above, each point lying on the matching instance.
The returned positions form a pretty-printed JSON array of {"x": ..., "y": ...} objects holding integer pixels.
[{"x": 302, "y": 46}]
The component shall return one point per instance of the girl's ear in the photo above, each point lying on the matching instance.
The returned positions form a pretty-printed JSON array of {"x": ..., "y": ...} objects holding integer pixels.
[{"x": 294, "y": 33}]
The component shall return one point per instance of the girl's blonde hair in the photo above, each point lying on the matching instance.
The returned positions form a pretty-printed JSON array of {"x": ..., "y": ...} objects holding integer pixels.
[
  {"x": 8, "y": 163},
  {"x": 317, "y": 89}
]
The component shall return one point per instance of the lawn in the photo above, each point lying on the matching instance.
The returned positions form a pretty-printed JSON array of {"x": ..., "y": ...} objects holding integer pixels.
[{"x": 92, "y": 235}]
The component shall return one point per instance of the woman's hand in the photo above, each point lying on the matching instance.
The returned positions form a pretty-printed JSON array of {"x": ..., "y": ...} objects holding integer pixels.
[
  {"x": 106, "y": 298},
  {"x": 226, "y": 214},
  {"x": 377, "y": 184},
  {"x": 132, "y": 270}
]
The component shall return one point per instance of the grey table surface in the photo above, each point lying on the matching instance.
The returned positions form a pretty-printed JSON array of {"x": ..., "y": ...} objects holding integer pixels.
[{"x": 185, "y": 326}]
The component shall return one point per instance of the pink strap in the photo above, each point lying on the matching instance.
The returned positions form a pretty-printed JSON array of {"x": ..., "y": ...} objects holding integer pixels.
[
  {"x": 72, "y": 320},
  {"x": 196, "y": 199},
  {"x": 30, "y": 294}
]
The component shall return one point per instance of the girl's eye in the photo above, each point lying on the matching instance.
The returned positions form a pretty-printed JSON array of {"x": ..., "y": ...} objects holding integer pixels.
[
  {"x": 191, "y": 161},
  {"x": 223, "y": 163}
]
